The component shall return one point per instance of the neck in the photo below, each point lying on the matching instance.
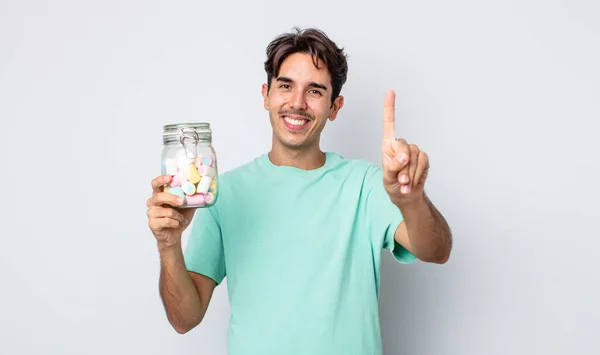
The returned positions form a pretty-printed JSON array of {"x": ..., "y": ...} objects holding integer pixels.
[{"x": 306, "y": 159}]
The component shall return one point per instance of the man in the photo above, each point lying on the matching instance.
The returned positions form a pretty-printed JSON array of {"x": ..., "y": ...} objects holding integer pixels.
[{"x": 297, "y": 231}]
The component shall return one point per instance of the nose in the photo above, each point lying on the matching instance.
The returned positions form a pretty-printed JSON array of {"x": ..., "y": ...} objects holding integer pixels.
[{"x": 297, "y": 100}]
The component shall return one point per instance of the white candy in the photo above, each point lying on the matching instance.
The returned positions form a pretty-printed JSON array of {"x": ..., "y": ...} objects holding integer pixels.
[
  {"x": 171, "y": 166},
  {"x": 206, "y": 170},
  {"x": 204, "y": 184},
  {"x": 181, "y": 154},
  {"x": 183, "y": 165},
  {"x": 188, "y": 151}
]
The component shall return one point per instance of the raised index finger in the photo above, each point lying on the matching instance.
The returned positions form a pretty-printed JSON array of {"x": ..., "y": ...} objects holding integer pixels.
[{"x": 389, "y": 131}]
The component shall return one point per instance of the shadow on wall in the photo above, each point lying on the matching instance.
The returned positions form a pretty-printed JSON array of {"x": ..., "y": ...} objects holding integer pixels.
[
  {"x": 410, "y": 295},
  {"x": 400, "y": 307}
]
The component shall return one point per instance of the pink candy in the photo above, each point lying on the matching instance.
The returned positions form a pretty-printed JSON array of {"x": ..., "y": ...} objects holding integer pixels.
[
  {"x": 196, "y": 200},
  {"x": 176, "y": 181}
]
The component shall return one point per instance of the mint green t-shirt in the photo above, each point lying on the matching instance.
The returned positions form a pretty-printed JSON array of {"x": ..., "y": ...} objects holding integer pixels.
[{"x": 301, "y": 250}]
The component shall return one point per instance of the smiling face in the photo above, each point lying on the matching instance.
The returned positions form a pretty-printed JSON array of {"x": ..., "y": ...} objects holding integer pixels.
[{"x": 299, "y": 102}]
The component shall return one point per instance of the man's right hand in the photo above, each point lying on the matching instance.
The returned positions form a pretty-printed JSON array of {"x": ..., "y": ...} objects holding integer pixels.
[
  {"x": 166, "y": 220},
  {"x": 185, "y": 294}
]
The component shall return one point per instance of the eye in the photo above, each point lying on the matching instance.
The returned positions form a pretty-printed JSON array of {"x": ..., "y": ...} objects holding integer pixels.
[
  {"x": 316, "y": 92},
  {"x": 284, "y": 86}
]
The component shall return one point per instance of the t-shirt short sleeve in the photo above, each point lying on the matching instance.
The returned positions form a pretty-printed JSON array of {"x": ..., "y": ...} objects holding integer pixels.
[
  {"x": 383, "y": 217},
  {"x": 204, "y": 251}
]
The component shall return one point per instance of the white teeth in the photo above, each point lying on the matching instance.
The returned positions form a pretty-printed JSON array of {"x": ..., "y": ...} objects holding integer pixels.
[{"x": 295, "y": 122}]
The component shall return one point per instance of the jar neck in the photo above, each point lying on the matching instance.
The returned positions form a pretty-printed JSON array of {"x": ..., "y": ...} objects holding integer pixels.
[
  {"x": 176, "y": 140},
  {"x": 186, "y": 133}
]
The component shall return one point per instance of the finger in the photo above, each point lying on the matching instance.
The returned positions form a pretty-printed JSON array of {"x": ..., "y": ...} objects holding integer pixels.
[
  {"x": 390, "y": 172},
  {"x": 414, "y": 161},
  {"x": 157, "y": 224},
  {"x": 396, "y": 160},
  {"x": 165, "y": 198},
  {"x": 402, "y": 151},
  {"x": 389, "y": 131},
  {"x": 162, "y": 212},
  {"x": 402, "y": 155},
  {"x": 404, "y": 176},
  {"x": 404, "y": 179},
  {"x": 422, "y": 169},
  {"x": 159, "y": 182}
]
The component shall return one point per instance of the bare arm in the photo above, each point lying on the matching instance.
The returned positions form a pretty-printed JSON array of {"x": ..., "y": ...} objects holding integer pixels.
[
  {"x": 185, "y": 295},
  {"x": 424, "y": 232}
]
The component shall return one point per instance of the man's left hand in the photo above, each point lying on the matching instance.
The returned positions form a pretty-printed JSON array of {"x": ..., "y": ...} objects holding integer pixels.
[{"x": 405, "y": 167}]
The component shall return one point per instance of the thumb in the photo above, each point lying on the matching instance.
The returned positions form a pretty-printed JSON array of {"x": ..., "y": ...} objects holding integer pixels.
[{"x": 392, "y": 167}]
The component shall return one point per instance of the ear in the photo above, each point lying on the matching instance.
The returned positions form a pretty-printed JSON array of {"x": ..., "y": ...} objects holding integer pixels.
[
  {"x": 265, "y": 94},
  {"x": 338, "y": 103}
]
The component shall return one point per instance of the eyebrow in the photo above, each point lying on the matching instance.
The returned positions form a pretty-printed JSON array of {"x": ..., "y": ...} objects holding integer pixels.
[{"x": 311, "y": 84}]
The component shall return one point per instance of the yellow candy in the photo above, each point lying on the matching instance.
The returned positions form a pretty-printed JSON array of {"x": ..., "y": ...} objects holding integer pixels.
[
  {"x": 194, "y": 176},
  {"x": 213, "y": 186}
]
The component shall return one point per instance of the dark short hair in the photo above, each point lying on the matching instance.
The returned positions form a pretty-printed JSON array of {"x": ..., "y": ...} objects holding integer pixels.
[{"x": 310, "y": 41}]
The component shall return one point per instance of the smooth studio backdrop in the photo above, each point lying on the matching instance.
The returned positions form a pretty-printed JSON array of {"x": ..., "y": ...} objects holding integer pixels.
[{"x": 504, "y": 96}]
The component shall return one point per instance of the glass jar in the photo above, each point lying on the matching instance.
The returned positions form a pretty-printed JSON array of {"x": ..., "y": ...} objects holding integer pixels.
[{"x": 189, "y": 157}]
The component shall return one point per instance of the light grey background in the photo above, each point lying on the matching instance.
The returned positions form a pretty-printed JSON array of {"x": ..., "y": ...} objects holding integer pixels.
[{"x": 503, "y": 95}]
